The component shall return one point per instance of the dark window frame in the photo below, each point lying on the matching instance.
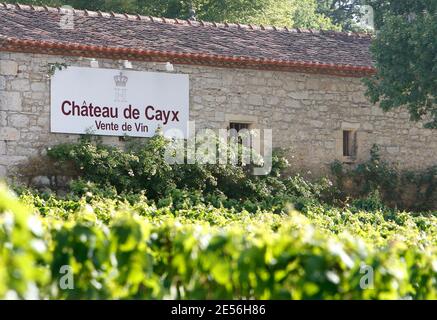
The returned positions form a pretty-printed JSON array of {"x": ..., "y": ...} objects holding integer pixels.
[
  {"x": 238, "y": 126},
  {"x": 349, "y": 143}
]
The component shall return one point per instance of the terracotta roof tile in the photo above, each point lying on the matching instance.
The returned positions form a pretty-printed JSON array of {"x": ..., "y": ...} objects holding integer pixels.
[{"x": 38, "y": 27}]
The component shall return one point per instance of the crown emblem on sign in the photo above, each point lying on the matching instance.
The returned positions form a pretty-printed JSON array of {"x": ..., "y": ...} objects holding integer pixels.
[{"x": 120, "y": 80}]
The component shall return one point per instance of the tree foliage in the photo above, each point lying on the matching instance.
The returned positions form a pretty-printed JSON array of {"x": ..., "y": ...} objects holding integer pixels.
[
  {"x": 291, "y": 13},
  {"x": 405, "y": 54},
  {"x": 341, "y": 12}
]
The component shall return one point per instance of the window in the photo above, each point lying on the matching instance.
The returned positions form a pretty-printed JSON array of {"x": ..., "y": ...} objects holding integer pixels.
[
  {"x": 242, "y": 138},
  {"x": 238, "y": 126},
  {"x": 348, "y": 143}
]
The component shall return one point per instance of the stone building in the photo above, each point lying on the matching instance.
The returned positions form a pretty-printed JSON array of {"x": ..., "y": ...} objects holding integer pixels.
[{"x": 303, "y": 84}]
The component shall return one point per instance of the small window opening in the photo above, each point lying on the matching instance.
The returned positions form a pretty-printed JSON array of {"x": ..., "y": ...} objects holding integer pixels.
[
  {"x": 348, "y": 143},
  {"x": 238, "y": 126}
]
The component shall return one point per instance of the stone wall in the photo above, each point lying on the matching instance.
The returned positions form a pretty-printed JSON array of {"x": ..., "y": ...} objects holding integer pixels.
[{"x": 307, "y": 113}]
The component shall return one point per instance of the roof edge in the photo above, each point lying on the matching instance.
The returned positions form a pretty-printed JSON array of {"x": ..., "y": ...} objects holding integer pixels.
[
  {"x": 75, "y": 49},
  {"x": 199, "y": 23}
]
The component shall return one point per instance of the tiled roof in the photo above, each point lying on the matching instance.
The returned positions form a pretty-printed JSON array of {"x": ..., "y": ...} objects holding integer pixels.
[{"x": 121, "y": 36}]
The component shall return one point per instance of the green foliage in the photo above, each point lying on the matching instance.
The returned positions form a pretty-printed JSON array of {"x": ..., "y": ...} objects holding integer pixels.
[
  {"x": 291, "y": 13},
  {"x": 373, "y": 202},
  {"x": 384, "y": 8},
  {"x": 371, "y": 176},
  {"x": 378, "y": 178},
  {"x": 377, "y": 173},
  {"x": 138, "y": 169},
  {"x": 142, "y": 168},
  {"x": 405, "y": 55},
  {"x": 105, "y": 172},
  {"x": 23, "y": 250},
  {"x": 118, "y": 250},
  {"x": 341, "y": 12},
  {"x": 53, "y": 67},
  {"x": 306, "y": 15}
]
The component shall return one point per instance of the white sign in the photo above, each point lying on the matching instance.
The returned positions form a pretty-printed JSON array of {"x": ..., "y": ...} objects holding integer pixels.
[{"x": 118, "y": 102}]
